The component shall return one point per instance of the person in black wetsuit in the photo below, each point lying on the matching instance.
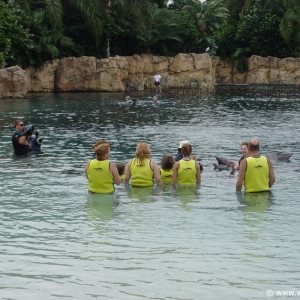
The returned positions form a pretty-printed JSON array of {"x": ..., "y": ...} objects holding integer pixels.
[{"x": 19, "y": 141}]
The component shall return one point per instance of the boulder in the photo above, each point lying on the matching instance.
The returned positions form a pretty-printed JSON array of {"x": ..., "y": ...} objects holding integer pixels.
[
  {"x": 75, "y": 74},
  {"x": 182, "y": 63},
  {"x": 42, "y": 79},
  {"x": 13, "y": 82},
  {"x": 224, "y": 71},
  {"x": 110, "y": 74}
]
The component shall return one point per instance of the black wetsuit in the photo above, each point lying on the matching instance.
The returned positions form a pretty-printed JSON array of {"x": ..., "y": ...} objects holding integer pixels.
[
  {"x": 19, "y": 149},
  {"x": 240, "y": 160}
]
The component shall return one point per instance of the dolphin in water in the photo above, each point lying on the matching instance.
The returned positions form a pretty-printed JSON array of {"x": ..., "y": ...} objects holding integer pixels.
[
  {"x": 279, "y": 156},
  {"x": 223, "y": 163}
]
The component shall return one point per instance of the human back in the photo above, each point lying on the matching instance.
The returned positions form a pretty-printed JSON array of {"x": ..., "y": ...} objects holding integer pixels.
[
  {"x": 186, "y": 170},
  {"x": 257, "y": 174},
  {"x": 100, "y": 172},
  {"x": 256, "y": 171},
  {"x": 142, "y": 170},
  {"x": 100, "y": 178}
]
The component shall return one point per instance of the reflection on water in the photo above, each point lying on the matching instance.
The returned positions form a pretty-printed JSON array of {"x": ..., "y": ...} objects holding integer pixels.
[
  {"x": 255, "y": 202},
  {"x": 158, "y": 243}
]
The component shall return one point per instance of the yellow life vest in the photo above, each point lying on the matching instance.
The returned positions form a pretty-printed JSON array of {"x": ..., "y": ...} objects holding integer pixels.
[
  {"x": 100, "y": 178},
  {"x": 187, "y": 172},
  {"x": 256, "y": 177},
  {"x": 141, "y": 174},
  {"x": 166, "y": 176}
]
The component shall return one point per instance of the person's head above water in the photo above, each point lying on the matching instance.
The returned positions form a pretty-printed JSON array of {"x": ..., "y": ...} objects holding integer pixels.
[
  {"x": 19, "y": 125},
  {"x": 181, "y": 143},
  {"x": 102, "y": 151},
  {"x": 253, "y": 146},
  {"x": 244, "y": 148},
  {"x": 142, "y": 151},
  {"x": 186, "y": 149},
  {"x": 167, "y": 162},
  {"x": 155, "y": 99},
  {"x": 99, "y": 143}
]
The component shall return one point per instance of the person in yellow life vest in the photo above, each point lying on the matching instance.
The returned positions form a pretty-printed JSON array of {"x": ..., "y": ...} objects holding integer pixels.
[
  {"x": 121, "y": 171},
  {"x": 166, "y": 170},
  {"x": 186, "y": 170},
  {"x": 100, "y": 172},
  {"x": 256, "y": 171},
  {"x": 141, "y": 169}
]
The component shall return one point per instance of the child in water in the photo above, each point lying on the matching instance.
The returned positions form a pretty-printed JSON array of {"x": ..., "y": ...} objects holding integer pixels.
[
  {"x": 166, "y": 170},
  {"x": 130, "y": 100},
  {"x": 121, "y": 170}
]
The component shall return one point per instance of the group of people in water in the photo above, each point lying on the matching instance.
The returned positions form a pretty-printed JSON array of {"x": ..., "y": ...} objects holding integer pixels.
[
  {"x": 133, "y": 101},
  {"x": 256, "y": 172},
  {"x": 141, "y": 171}
]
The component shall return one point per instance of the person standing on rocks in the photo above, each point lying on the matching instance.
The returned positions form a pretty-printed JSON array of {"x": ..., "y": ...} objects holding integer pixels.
[{"x": 157, "y": 78}]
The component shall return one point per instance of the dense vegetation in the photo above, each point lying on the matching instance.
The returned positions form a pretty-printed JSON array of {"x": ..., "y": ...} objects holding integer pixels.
[{"x": 34, "y": 31}]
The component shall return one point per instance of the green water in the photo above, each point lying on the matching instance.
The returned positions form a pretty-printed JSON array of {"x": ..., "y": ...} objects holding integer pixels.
[{"x": 59, "y": 242}]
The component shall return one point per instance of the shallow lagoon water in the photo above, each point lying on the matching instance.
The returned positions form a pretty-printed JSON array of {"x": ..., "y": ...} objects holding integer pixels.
[{"x": 57, "y": 241}]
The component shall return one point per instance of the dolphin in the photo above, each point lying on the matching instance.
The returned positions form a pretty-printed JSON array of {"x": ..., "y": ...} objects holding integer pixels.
[
  {"x": 279, "y": 156},
  {"x": 223, "y": 163}
]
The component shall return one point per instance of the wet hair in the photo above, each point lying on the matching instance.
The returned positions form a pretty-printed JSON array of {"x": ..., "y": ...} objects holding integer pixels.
[
  {"x": 186, "y": 149},
  {"x": 127, "y": 97},
  {"x": 121, "y": 168},
  {"x": 101, "y": 150},
  {"x": 16, "y": 123},
  {"x": 142, "y": 151},
  {"x": 167, "y": 162},
  {"x": 98, "y": 143},
  {"x": 253, "y": 147}
]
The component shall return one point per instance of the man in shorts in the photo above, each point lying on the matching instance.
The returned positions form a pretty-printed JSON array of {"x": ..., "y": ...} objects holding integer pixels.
[{"x": 157, "y": 78}]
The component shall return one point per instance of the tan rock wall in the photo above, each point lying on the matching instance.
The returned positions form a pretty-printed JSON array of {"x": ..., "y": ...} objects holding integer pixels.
[
  {"x": 13, "y": 83},
  {"x": 261, "y": 70},
  {"x": 136, "y": 73}
]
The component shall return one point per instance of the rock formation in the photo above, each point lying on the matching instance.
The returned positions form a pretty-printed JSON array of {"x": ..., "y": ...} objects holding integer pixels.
[
  {"x": 136, "y": 73},
  {"x": 13, "y": 83},
  {"x": 261, "y": 70}
]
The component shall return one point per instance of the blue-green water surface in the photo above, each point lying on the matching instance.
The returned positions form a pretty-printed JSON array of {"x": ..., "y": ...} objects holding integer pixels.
[{"x": 59, "y": 242}]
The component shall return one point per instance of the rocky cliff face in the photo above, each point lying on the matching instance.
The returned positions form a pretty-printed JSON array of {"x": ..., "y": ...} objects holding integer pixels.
[
  {"x": 13, "y": 83},
  {"x": 122, "y": 73},
  {"x": 136, "y": 73},
  {"x": 261, "y": 70}
]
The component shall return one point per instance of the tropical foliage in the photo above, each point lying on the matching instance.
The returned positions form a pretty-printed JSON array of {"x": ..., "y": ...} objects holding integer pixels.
[{"x": 34, "y": 31}]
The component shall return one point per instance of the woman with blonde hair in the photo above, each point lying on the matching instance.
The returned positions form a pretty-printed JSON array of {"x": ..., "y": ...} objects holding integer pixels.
[
  {"x": 186, "y": 170},
  {"x": 100, "y": 172},
  {"x": 141, "y": 169}
]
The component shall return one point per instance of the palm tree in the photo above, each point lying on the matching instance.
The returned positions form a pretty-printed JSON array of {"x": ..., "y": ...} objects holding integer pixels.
[
  {"x": 213, "y": 15},
  {"x": 91, "y": 11},
  {"x": 163, "y": 25}
]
